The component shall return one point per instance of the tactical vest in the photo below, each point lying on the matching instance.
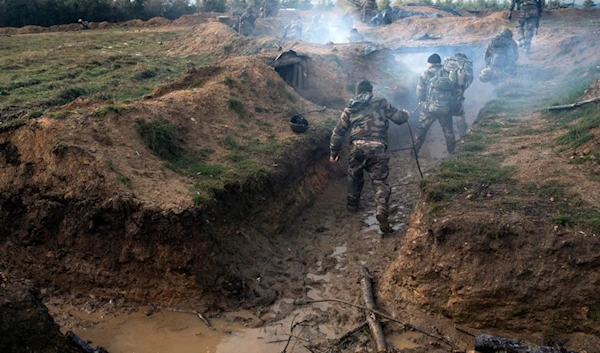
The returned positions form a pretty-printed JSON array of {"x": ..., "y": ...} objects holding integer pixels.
[{"x": 439, "y": 93}]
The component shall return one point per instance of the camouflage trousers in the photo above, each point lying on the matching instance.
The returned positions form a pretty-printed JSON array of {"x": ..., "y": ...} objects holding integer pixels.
[
  {"x": 526, "y": 29},
  {"x": 425, "y": 122},
  {"x": 461, "y": 124},
  {"x": 371, "y": 157}
]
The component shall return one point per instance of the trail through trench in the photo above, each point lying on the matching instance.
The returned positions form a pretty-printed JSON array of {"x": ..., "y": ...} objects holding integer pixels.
[{"x": 323, "y": 251}]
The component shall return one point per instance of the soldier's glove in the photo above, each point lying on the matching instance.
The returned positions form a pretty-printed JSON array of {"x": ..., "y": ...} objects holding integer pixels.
[{"x": 333, "y": 157}]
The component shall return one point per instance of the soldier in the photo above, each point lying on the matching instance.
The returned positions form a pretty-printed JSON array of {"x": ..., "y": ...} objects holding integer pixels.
[
  {"x": 84, "y": 24},
  {"x": 246, "y": 21},
  {"x": 366, "y": 116},
  {"x": 461, "y": 72},
  {"x": 355, "y": 37},
  {"x": 435, "y": 91},
  {"x": 294, "y": 29},
  {"x": 270, "y": 8},
  {"x": 530, "y": 12},
  {"x": 318, "y": 31},
  {"x": 501, "y": 55},
  {"x": 369, "y": 9}
]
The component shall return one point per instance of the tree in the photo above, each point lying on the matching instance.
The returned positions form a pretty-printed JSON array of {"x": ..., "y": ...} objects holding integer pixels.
[
  {"x": 383, "y": 4},
  {"x": 213, "y": 6},
  {"x": 588, "y": 4}
]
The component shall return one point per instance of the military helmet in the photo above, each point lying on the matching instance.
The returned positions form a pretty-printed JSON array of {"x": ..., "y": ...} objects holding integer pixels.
[
  {"x": 486, "y": 75},
  {"x": 506, "y": 33},
  {"x": 298, "y": 124}
]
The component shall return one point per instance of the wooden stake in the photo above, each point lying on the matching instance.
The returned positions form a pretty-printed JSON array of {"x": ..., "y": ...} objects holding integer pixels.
[{"x": 374, "y": 325}]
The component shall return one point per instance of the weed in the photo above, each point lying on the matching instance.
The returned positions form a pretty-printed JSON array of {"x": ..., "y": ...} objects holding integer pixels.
[
  {"x": 564, "y": 220},
  {"x": 227, "y": 48},
  {"x": 35, "y": 114},
  {"x": 69, "y": 95},
  {"x": 11, "y": 124},
  {"x": 110, "y": 108},
  {"x": 270, "y": 83},
  {"x": 473, "y": 146},
  {"x": 253, "y": 90},
  {"x": 238, "y": 107},
  {"x": 159, "y": 137},
  {"x": 125, "y": 180},
  {"x": 228, "y": 81},
  {"x": 122, "y": 178},
  {"x": 263, "y": 123},
  {"x": 234, "y": 157},
  {"x": 200, "y": 199},
  {"x": 231, "y": 143},
  {"x": 59, "y": 115}
]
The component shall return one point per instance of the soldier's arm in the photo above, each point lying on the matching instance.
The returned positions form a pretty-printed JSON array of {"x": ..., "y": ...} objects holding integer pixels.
[
  {"x": 396, "y": 115},
  {"x": 422, "y": 87},
  {"x": 513, "y": 3},
  {"x": 338, "y": 133}
]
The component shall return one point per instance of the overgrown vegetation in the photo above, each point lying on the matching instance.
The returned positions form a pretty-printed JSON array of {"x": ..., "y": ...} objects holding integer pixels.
[
  {"x": 238, "y": 107},
  {"x": 159, "y": 137},
  {"x": 110, "y": 108}
]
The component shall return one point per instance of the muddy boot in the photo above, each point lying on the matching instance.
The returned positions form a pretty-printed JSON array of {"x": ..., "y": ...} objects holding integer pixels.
[
  {"x": 352, "y": 207},
  {"x": 384, "y": 224}
]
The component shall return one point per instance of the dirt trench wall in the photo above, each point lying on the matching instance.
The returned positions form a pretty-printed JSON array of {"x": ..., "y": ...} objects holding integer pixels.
[
  {"x": 25, "y": 324},
  {"x": 88, "y": 242}
]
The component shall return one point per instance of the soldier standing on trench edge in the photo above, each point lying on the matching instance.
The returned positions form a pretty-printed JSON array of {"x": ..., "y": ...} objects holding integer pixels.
[{"x": 366, "y": 116}]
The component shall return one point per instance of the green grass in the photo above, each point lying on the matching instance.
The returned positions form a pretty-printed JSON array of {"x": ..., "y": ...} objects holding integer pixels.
[
  {"x": 159, "y": 137},
  {"x": 11, "y": 124},
  {"x": 228, "y": 81},
  {"x": 59, "y": 115},
  {"x": 44, "y": 70},
  {"x": 35, "y": 114},
  {"x": 122, "y": 178},
  {"x": 110, "y": 108},
  {"x": 238, "y": 107}
]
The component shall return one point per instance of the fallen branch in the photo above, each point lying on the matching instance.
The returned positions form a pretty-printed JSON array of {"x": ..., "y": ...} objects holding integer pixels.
[
  {"x": 574, "y": 105},
  {"x": 374, "y": 325},
  {"x": 494, "y": 344},
  {"x": 205, "y": 320},
  {"x": 348, "y": 334},
  {"x": 387, "y": 316}
]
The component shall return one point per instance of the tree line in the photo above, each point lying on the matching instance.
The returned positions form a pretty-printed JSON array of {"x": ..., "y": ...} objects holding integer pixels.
[{"x": 18, "y": 13}]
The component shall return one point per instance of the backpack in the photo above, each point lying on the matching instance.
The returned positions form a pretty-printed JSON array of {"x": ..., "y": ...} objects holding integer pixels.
[
  {"x": 439, "y": 92},
  {"x": 461, "y": 73}
]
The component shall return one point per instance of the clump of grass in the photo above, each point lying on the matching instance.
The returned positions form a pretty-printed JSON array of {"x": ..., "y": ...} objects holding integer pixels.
[
  {"x": 59, "y": 115},
  {"x": 159, "y": 137},
  {"x": 227, "y": 48},
  {"x": 238, "y": 107},
  {"x": 122, "y": 178},
  {"x": 110, "y": 108},
  {"x": 200, "y": 199},
  {"x": 564, "y": 220},
  {"x": 69, "y": 95},
  {"x": 231, "y": 143},
  {"x": 228, "y": 81},
  {"x": 473, "y": 146},
  {"x": 35, "y": 114},
  {"x": 11, "y": 124}
]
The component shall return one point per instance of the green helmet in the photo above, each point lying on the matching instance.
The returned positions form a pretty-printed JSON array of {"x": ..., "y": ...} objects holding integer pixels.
[
  {"x": 485, "y": 75},
  {"x": 506, "y": 33}
]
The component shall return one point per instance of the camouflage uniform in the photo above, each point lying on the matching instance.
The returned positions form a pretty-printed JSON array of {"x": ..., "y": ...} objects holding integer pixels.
[
  {"x": 426, "y": 119},
  {"x": 270, "y": 8},
  {"x": 369, "y": 9},
  {"x": 530, "y": 12},
  {"x": 246, "y": 22},
  {"x": 355, "y": 37},
  {"x": 293, "y": 30},
  {"x": 367, "y": 119},
  {"x": 459, "y": 92},
  {"x": 318, "y": 32},
  {"x": 501, "y": 55}
]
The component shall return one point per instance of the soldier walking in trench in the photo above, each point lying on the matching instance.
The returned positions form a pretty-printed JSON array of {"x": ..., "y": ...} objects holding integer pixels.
[
  {"x": 366, "y": 116},
  {"x": 530, "y": 12},
  {"x": 435, "y": 91}
]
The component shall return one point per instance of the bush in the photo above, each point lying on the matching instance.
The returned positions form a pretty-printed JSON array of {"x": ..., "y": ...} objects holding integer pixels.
[
  {"x": 159, "y": 137},
  {"x": 213, "y": 6},
  {"x": 383, "y": 4},
  {"x": 589, "y": 4}
]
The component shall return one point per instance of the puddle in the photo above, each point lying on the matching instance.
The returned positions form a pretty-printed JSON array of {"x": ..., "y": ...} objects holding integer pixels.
[{"x": 404, "y": 340}]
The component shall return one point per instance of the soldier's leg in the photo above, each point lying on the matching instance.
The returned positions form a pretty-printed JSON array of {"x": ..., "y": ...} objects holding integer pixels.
[
  {"x": 446, "y": 123},
  {"x": 356, "y": 179},
  {"x": 529, "y": 31},
  {"x": 461, "y": 123},
  {"x": 521, "y": 31},
  {"x": 425, "y": 121},
  {"x": 378, "y": 168}
]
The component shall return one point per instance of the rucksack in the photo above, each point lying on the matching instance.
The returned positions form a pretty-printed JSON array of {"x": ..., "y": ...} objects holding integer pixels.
[
  {"x": 439, "y": 92},
  {"x": 461, "y": 73}
]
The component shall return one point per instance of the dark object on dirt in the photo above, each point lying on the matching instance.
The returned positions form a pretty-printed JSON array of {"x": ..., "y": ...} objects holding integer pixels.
[
  {"x": 374, "y": 325},
  {"x": 428, "y": 36},
  {"x": 205, "y": 320},
  {"x": 348, "y": 334},
  {"x": 574, "y": 105},
  {"x": 321, "y": 229},
  {"x": 492, "y": 344},
  {"x": 437, "y": 7},
  {"x": 292, "y": 68},
  {"x": 299, "y": 124},
  {"x": 390, "y": 15},
  {"x": 83, "y": 344}
]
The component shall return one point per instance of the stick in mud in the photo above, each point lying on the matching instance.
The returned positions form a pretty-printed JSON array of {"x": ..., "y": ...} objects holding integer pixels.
[
  {"x": 574, "y": 105},
  {"x": 374, "y": 325},
  {"x": 347, "y": 335}
]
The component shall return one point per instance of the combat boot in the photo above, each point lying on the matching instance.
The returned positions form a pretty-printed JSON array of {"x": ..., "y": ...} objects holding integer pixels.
[{"x": 384, "y": 224}]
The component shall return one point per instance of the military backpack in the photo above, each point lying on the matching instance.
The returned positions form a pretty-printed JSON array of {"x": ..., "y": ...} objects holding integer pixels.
[
  {"x": 439, "y": 92},
  {"x": 461, "y": 74}
]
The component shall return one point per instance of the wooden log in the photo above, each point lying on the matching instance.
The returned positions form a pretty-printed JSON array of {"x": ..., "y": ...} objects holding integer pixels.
[
  {"x": 494, "y": 344},
  {"x": 300, "y": 74},
  {"x": 574, "y": 105},
  {"x": 295, "y": 75},
  {"x": 374, "y": 325}
]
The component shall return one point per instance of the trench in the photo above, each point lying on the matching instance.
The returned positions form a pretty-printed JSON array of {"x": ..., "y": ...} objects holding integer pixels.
[{"x": 316, "y": 255}]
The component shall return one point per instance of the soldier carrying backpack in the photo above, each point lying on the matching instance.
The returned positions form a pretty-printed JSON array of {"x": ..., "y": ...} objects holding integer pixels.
[
  {"x": 461, "y": 73},
  {"x": 435, "y": 92}
]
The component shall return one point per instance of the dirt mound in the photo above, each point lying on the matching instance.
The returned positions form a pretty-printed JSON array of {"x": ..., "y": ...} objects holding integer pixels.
[
  {"x": 158, "y": 21},
  {"x": 197, "y": 18},
  {"x": 26, "y": 325}
]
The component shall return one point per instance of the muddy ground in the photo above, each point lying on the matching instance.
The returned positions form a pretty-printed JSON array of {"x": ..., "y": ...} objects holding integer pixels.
[{"x": 294, "y": 238}]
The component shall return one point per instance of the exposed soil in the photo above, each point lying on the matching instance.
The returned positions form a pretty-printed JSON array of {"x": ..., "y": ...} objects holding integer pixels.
[{"x": 493, "y": 263}]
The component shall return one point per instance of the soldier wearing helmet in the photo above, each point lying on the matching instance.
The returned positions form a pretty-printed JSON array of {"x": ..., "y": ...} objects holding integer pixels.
[
  {"x": 367, "y": 119},
  {"x": 501, "y": 55},
  {"x": 530, "y": 12}
]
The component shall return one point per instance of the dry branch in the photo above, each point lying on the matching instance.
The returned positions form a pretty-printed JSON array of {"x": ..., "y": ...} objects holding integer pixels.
[
  {"x": 347, "y": 335},
  {"x": 374, "y": 325},
  {"x": 494, "y": 344},
  {"x": 574, "y": 105}
]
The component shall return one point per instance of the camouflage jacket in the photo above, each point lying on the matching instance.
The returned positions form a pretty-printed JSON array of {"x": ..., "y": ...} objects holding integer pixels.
[
  {"x": 501, "y": 52},
  {"x": 367, "y": 118},
  {"x": 527, "y": 8},
  {"x": 423, "y": 85}
]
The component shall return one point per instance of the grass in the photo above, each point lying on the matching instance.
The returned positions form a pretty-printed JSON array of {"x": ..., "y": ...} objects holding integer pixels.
[
  {"x": 228, "y": 81},
  {"x": 110, "y": 108},
  {"x": 59, "y": 115},
  {"x": 159, "y": 137},
  {"x": 238, "y": 107},
  {"x": 12, "y": 124},
  {"x": 40, "y": 71},
  {"x": 35, "y": 114},
  {"x": 122, "y": 178}
]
